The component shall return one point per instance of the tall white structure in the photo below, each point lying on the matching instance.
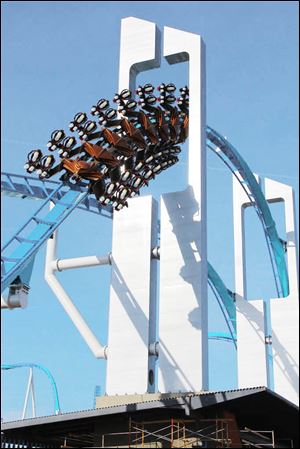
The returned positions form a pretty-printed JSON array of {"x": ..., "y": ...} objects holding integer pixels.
[
  {"x": 158, "y": 336},
  {"x": 183, "y": 259},
  {"x": 284, "y": 312}
]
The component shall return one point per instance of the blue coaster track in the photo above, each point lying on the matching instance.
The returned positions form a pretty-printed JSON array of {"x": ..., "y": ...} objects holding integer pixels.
[
  {"x": 233, "y": 160},
  {"x": 18, "y": 263},
  {"x": 48, "y": 374}
]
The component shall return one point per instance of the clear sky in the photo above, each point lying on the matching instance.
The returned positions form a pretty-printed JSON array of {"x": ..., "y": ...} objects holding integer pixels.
[{"x": 59, "y": 58}]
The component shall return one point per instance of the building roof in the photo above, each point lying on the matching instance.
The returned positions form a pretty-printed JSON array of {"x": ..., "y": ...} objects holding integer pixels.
[
  {"x": 120, "y": 404},
  {"x": 256, "y": 408}
]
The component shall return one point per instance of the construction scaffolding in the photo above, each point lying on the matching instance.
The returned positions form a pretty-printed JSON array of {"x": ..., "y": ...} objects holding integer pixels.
[
  {"x": 190, "y": 433},
  {"x": 174, "y": 433},
  {"x": 168, "y": 433}
]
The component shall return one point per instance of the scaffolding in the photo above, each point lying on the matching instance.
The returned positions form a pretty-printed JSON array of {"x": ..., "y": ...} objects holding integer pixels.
[
  {"x": 171, "y": 433},
  {"x": 190, "y": 433}
]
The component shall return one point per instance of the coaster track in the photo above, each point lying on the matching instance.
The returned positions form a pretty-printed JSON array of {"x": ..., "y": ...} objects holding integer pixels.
[
  {"x": 7, "y": 367},
  {"x": 126, "y": 157}
]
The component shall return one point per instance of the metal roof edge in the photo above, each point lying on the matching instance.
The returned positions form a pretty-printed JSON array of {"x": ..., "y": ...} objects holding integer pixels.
[{"x": 196, "y": 400}]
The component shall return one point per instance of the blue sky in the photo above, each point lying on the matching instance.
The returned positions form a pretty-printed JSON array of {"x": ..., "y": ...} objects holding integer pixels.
[{"x": 58, "y": 58}]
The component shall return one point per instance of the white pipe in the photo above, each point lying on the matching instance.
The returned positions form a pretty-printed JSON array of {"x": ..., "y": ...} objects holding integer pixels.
[
  {"x": 81, "y": 262},
  {"x": 97, "y": 349},
  {"x": 27, "y": 393},
  {"x": 32, "y": 396}
]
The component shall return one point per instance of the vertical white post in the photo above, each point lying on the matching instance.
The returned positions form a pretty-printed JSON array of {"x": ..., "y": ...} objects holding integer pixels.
[
  {"x": 240, "y": 202},
  {"x": 29, "y": 384},
  {"x": 252, "y": 364},
  {"x": 33, "y": 397},
  {"x": 139, "y": 50},
  {"x": 183, "y": 357},
  {"x": 250, "y": 320},
  {"x": 130, "y": 297},
  {"x": 183, "y": 262},
  {"x": 285, "y": 311},
  {"x": 133, "y": 279},
  {"x": 50, "y": 268}
]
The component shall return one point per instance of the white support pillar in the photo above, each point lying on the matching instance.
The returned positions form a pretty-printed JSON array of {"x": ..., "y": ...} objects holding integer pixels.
[
  {"x": 240, "y": 202},
  {"x": 186, "y": 210},
  {"x": 285, "y": 311},
  {"x": 134, "y": 231},
  {"x": 30, "y": 388},
  {"x": 128, "y": 372},
  {"x": 183, "y": 358},
  {"x": 33, "y": 398},
  {"x": 251, "y": 350},
  {"x": 51, "y": 266},
  {"x": 139, "y": 50}
]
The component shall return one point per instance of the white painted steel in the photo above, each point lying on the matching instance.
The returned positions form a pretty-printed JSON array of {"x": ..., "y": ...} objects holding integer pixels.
[
  {"x": 33, "y": 397},
  {"x": 153, "y": 305},
  {"x": 285, "y": 311},
  {"x": 240, "y": 202},
  {"x": 181, "y": 46},
  {"x": 250, "y": 317},
  {"x": 180, "y": 310},
  {"x": 97, "y": 349},
  {"x": 28, "y": 389},
  {"x": 252, "y": 368},
  {"x": 183, "y": 338},
  {"x": 81, "y": 262},
  {"x": 139, "y": 50},
  {"x": 134, "y": 230}
]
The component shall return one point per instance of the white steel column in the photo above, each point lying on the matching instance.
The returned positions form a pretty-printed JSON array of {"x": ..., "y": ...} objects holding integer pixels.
[
  {"x": 139, "y": 50},
  {"x": 130, "y": 296},
  {"x": 183, "y": 359},
  {"x": 30, "y": 388},
  {"x": 134, "y": 230},
  {"x": 51, "y": 266},
  {"x": 285, "y": 311},
  {"x": 251, "y": 350}
]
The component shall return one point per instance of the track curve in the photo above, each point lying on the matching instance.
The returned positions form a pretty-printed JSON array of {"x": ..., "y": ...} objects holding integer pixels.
[
  {"x": 234, "y": 161},
  {"x": 230, "y": 156},
  {"x": 134, "y": 147},
  {"x": 48, "y": 374}
]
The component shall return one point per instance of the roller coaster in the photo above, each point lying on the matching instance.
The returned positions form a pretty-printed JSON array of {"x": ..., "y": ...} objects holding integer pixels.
[
  {"x": 43, "y": 369},
  {"x": 132, "y": 147}
]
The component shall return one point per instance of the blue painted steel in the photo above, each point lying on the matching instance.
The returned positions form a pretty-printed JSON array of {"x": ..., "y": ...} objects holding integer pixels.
[
  {"x": 25, "y": 188},
  {"x": 230, "y": 324},
  {"x": 221, "y": 336},
  {"x": 276, "y": 243},
  {"x": 33, "y": 188},
  {"x": 14, "y": 264},
  {"x": 248, "y": 178},
  {"x": 48, "y": 374},
  {"x": 225, "y": 295}
]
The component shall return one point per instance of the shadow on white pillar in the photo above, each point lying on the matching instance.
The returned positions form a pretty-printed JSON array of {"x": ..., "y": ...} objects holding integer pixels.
[
  {"x": 284, "y": 312},
  {"x": 130, "y": 297},
  {"x": 183, "y": 335},
  {"x": 251, "y": 350}
]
